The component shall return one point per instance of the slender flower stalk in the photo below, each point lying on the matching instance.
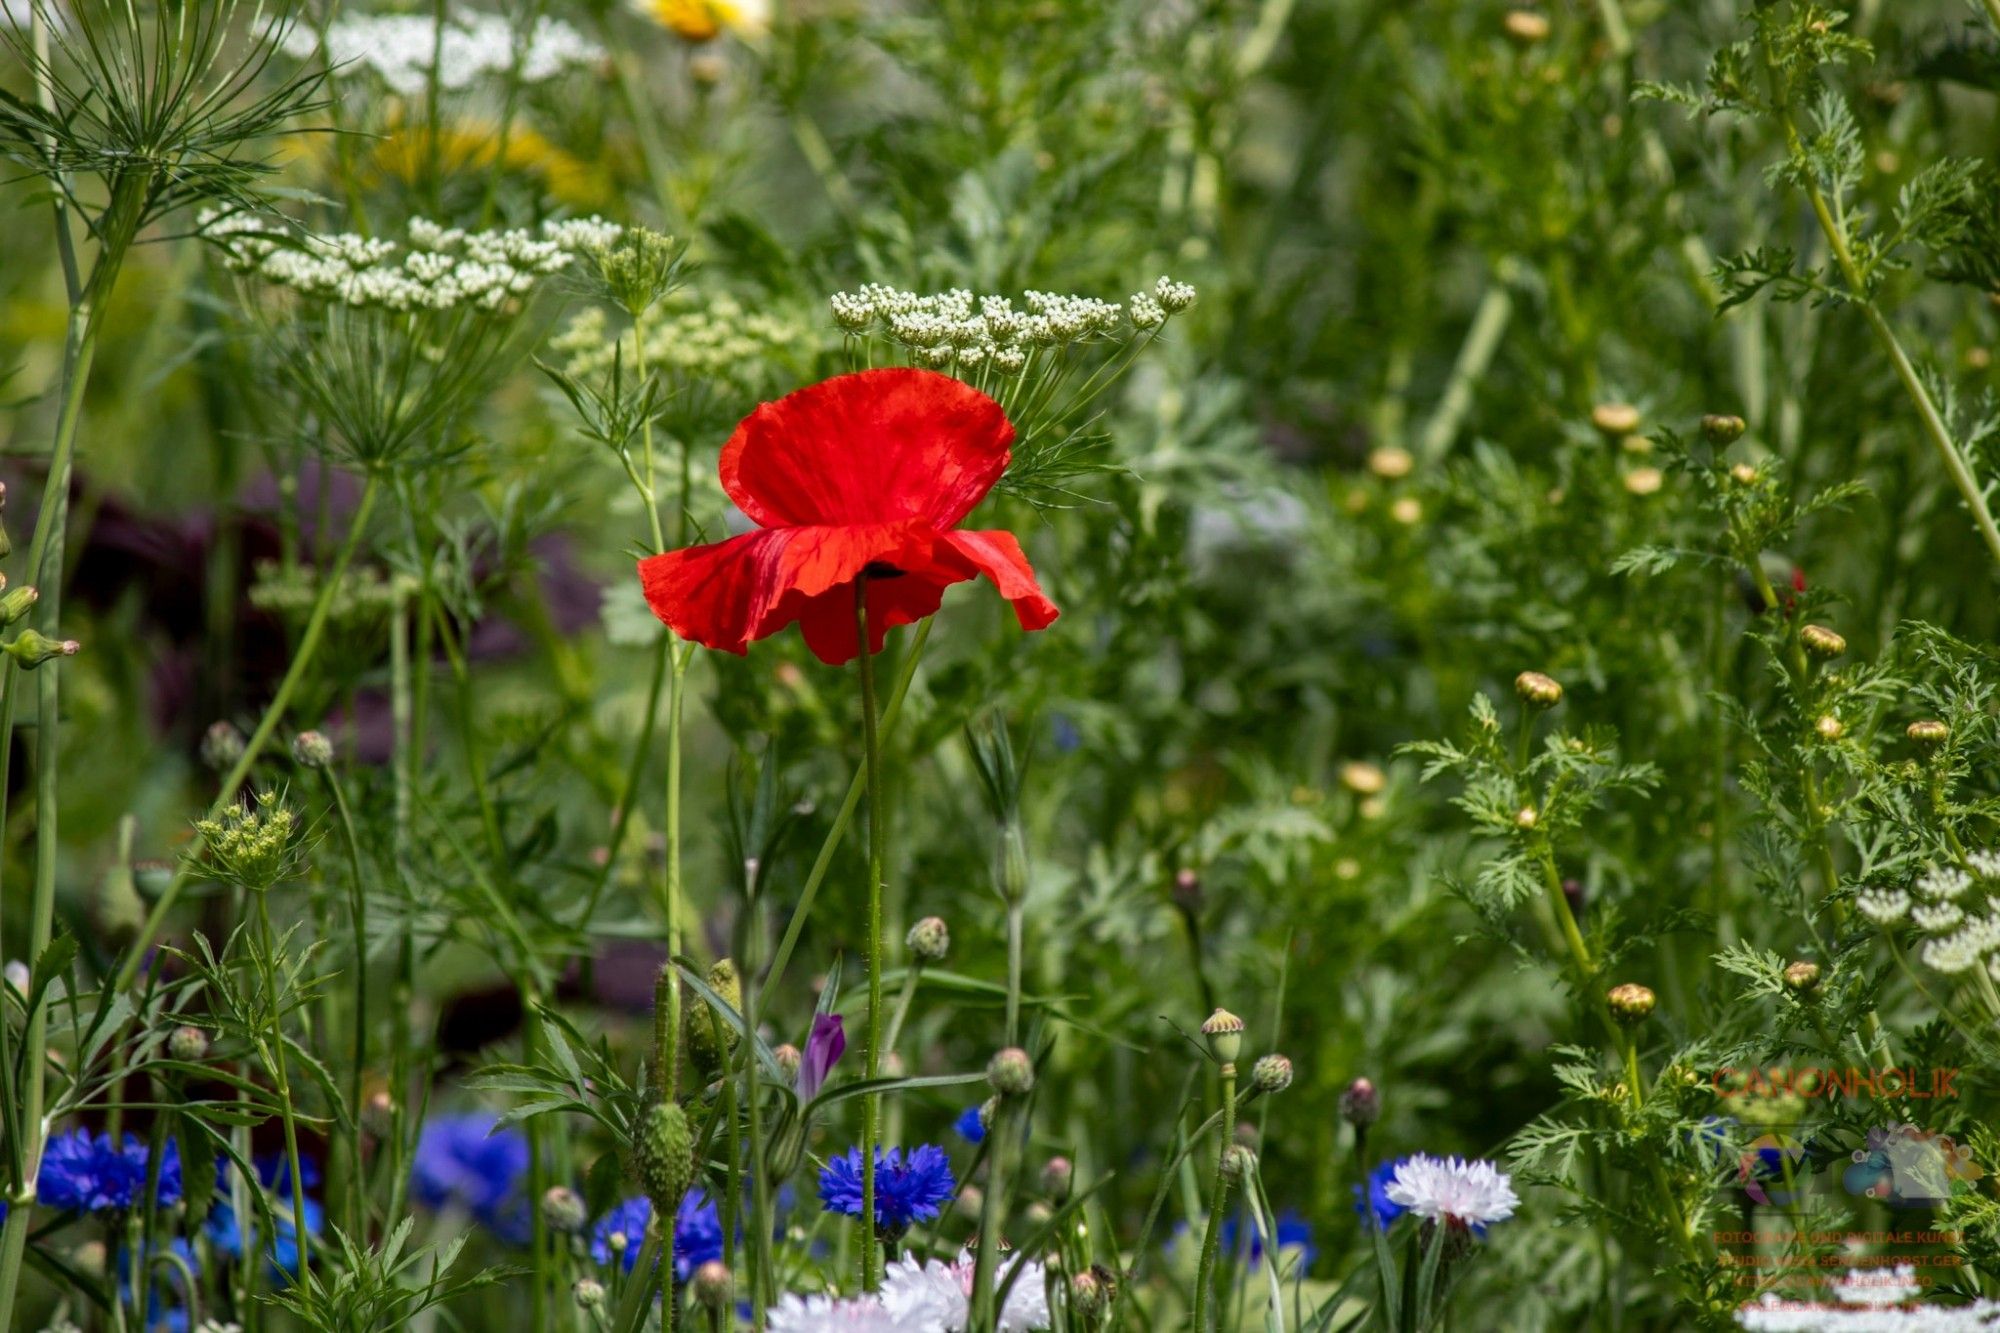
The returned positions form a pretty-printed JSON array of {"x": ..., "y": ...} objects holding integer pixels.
[{"x": 871, "y": 1105}]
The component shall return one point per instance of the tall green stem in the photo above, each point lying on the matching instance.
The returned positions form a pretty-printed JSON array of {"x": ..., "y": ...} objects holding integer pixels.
[
  {"x": 253, "y": 748},
  {"x": 1211, "y": 1241},
  {"x": 871, "y": 1105},
  {"x": 274, "y": 1057},
  {"x": 358, "y": 912}
]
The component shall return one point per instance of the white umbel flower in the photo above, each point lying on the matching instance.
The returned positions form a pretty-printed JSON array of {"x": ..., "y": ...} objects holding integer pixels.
[
  {"x": 1884, "y": 907},
  {"x": 1869, "y": 1301},
  {"x": 403, "y": 48},
  {"x": 1944, "y": 882},
  {"x": 938, "y": 1296},
  {"x": 830, "y": 1314},
  {"x": 1452, "y": 1189}
]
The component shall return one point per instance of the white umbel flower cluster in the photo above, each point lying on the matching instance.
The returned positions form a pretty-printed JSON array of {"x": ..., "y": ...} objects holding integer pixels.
[
  {"x": 402, "y": 48},
  {"x": 1954, "y": 906},
  {"x": 1885, "y": 907},
  {"x": 830, "y": 1314},
  {"x": 1453, "y": 1190},
  {"x": 958, "y": 328},
  {"x": 440, "y": 269},
  {"x": 1868, "y": 1301},
  {"x": 938, "y": 1295}
]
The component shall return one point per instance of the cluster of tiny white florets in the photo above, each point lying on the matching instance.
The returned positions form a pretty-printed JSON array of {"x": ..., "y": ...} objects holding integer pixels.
[
  {"x": 1964, "y": 930},
  {"x": 440, "y": 269},
  {"x": 717, "y": 337},
  {"x": 403, "y": 49},
  {"x": 1867, "y": 1301},
  {"x": 958, "y": 328}
]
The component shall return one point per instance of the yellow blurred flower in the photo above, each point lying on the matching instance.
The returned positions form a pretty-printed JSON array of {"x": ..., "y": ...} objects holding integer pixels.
[
  {"x": 705, "y": 20},
  {"x": 406, "y": 154}
]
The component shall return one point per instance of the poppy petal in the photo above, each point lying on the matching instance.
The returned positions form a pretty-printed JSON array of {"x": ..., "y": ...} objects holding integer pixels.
[
  {"x": 877, "y": 446},
  {"x": 999, "y": 557},
  {"x": 828, "y": 621},
  {"x": 728, "y": 594}
]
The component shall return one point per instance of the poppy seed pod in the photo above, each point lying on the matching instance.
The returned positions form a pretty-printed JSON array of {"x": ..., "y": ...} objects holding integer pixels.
[
  {"x": 1057, "y": 1173},
  {"x": 929, "y": 940},
  {"x": 30, "y": 648},
  {"x": 563, "y": 1209},
  {"x": 1721, "y": 428},
  {"x": 1011, "y": 1072},
  {"x": 1615, "y": 419},
  {"x": 1271, "y": 1073},
  {"x": 1928, "y": 732},
  {"x": 663, "y": 1156},
  {"x": 187, "y": 1044},
  {"x": 1224, "y": 1031},
  {"x": 1802, "y": 978},
  {"x": 311, "y": 749},
  {"x": 1822, "y": 641},
  {"x": 1360, "y": 1103},
  {"x": 1537, "y": 689},
  {"x": 588, "y": 1293},
  {"x": 17, "y": 603},
  {"x": 712, "y": 1285},
  {"x": 1630, "y": 1003}
]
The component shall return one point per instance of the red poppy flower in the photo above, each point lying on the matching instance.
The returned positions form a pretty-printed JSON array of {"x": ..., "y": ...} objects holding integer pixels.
[{"x": 864, "y": 473}]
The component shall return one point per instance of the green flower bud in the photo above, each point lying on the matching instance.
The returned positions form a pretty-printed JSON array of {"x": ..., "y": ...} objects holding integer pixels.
[
  {"x": 1271, "y": 1073},
  {"x": 663, "y": 1156},
  {"x": 1722, "y": 429},
  {"x": 929, "y": 940},
  {"x": 187, "y": 1044},
  {"x": 563, "y": 1210},
  {"x": 1822, "y": 641},
  {"x": 1092, "y": 1291},
  {"x": 1630, "y": 1003},
  {"x": 311, "y": 749},
  {"x": 1929, "y": 732},
  {"x": 1537, "y": 689},
  {"x": 17, "y": 602},
  {"x": 1057, "y": 1175},
  {"x": 1615, "y": 419},
  {"x": 699, "y": 1023},
  {"x": 589, "y": 1293},
  {"x": 1011, "y": 1072},
  {"x": 1360, "y": 1103},
  {"x": 1802, "y": 978},
  {"x": 221, "y": 746},
  {"x": 1238, "y": 1161},
  {"x": 712, "y": 1286},
  {"x": 30, "y": 649}
]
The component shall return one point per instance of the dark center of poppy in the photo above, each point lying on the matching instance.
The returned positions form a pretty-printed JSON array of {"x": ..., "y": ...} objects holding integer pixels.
[{"x": 880, "y": 569}]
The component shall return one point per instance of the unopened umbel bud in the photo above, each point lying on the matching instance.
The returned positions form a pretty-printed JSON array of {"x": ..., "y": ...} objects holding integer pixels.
[
  {"x": 311, "y": 749},
  {"x": 1537, "y": 689},
  {"x": 30, "y": 648},
  {"x": 1928, "y": 732},
  {"x": 187, "y": 1044},
  {"x": 563, "y": 1209},
  {"x": 1271, "y": 1073},
  {"x": 1011, "y": 1072},
  {"x": 1360, "y": 1103},
  {"x": 930, "y": 939},
  {"x": 1802, "y": 978},
  {"x": 1630, "y": 1003},
  {"x": 1720, "y": 428},
  {"x": 1822, "y": 641},
  {"x": 1224, "y": 1031}
]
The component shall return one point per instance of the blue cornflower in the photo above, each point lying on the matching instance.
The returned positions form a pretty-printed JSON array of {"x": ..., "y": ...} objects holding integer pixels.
[
  {"x": 906, "y": 1190},
  {"x": 466, "y": 1161},
  {"x": 88, "y": 1172},
  {"x": 697, "y": 1233},
  {"x": 225, "y": 1233},
  {"x": 969, "y": 1125},
  {"x": 1293, "y": 1234},
  {"x": 1385, "y": 1209}
]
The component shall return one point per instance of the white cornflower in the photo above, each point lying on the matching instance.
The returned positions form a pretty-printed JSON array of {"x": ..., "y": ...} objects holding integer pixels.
[
  {"x": 828, "y": 1314},
  {"x": 1883, "y": 906},
  {"x": 1453, "y": 1190},
  {"x": 1944, "y": 882},
  {"x": 938, "y": 1296},
  {"x": 402, "y": 49}
]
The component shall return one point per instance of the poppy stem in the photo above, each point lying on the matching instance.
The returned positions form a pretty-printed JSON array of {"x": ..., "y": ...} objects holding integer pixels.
[{"x": 871, "y": 1105}]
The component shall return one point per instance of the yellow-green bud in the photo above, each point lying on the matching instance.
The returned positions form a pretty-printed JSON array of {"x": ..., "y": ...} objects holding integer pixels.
[
  {"x": 1822, "y": 641},
  {"x": 17, "y": 602},
  {"x": 1929, "y": 732},
  {"x": 663, "y": 1156},
  {"x": 700, "y": 1022},
  {"x": 1615, "y": 419},
  {"x": 1830, "y": 728},
  {"x": 1224, "y": 1031},
  {"x": 1525, "y": 27},
  {"x": 1802, "y": 978},
  {"x": 1537, "y": 689},
  {"x": 1630, "y": 1003},
  {"x": 1721, "y": 428},
  {"x": 1238, "y": 1161},
  {"x": 30, "y": 648},
  {"x": 588, "y": 1293}
]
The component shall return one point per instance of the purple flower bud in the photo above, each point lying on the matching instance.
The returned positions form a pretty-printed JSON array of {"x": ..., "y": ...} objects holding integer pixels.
[{"x": 823, "y": 1051}]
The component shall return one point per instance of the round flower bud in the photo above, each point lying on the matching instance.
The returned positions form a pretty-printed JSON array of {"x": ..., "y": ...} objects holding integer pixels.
[
  {"x": 563, "y": 1209},
  {"x": 788, "y": 1059},
  {"x": 1537, "y": 689},
  {"x": 1391, "y": 463},
  {"x": 1038, "y": 1214},
  {"x": 1822, "y": 641},
  {"x": 700, "y": 1023},
  {"x": 17, "y": 975},
  {"x": 1721, "y": 428},
  {"x": 1408, "y": 511},
  {"x": 1630, "y": 1003},
  {"x": 1224, "y": 1031},
  {"x": 1802, "y": 978},
  {"x": 589, "y": 1293},
  {"x": 1246, "y": 1134},
  {"x": 1830, "y": 728},
  {"x": 1271, "y": 1073},
  {"x": 1091, "y": 1291},
  {"x": 1644, "y": 480},
  {"x": 663, "y": 1156},
  {"x": 1187, "y": 890},
  {"x": 712, "y": 1286},
  {"x": 311, "y": 749},
  {"x": 1615, "y": 419},
  {"x": 1011, "y": 1072},
  {"x": 1238, "y": 1161},
  {"x": 1527, "y": 817},
  {"x": 17, "y": 602},
  {"x": 1360, "y": 1103},
  {"x": 1743, "y": 474},
  {"x": 1524, "y": 27},
  {"x": 89, "y": 1258},
  {"x": 929, "y": 939},
  {"x": 1363, "y": 778},
  {"x": 221, "y": 746},
  {"x": 187, "y": 1044},
  {"x": 1057, "y": 1174},
  {"x": 1928, "y": 732}
]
